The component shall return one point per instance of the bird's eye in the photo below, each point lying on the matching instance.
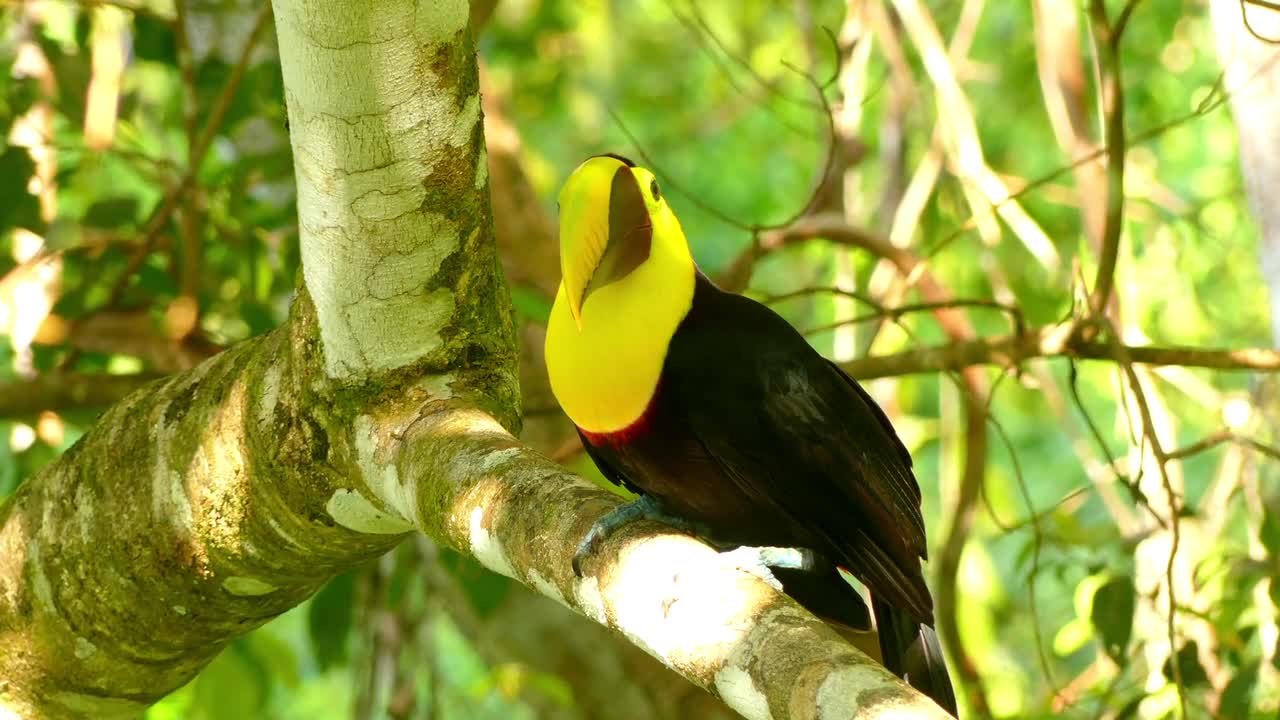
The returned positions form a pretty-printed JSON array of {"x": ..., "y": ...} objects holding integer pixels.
[{"x": 653, "y": 190}]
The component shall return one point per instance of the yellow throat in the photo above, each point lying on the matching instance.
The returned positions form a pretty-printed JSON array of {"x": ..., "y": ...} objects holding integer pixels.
[{"x": 627, "y": 282}]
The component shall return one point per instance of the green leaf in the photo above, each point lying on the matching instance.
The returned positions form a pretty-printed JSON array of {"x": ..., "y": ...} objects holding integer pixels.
[
  {"x": 485, "y": 589},
  {"x": 112, "y": 212},
  {"x": 259, "y": 317},
  {"x": 1130, "y": 708},
  {"x": 272, "y": 656},
  {"x": 1189, "y": 666},
  {"x": 552, "y": 687},
  {"x": 530, "y": 304},
  {"x": 154, "y": 278},
  {"x": 1238, "y": 695},
  {"x": 1270, "y": 532},
  {"x": 1072, "y": 636},
  {"x": 17, "y": 206},
  {"x": 17, "y": 96},
  {"x": 329, "y": 620},
  {"x": 153, "y": 40},
  {"x": 71, "y": 74},
  {"x": 1112, "y": 615},
  {"x": 231, "y": 688}
]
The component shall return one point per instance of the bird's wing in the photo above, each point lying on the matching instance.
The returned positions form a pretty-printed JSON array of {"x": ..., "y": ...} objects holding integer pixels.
[{"x": 798, "y": 436}]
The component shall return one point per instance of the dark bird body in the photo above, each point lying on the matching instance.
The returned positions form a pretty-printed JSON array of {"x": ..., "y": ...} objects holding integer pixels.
[{"x": 746, "y": 432}]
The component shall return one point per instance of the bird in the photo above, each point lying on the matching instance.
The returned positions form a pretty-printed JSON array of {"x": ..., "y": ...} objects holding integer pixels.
[{"x": 727, "y": 423}]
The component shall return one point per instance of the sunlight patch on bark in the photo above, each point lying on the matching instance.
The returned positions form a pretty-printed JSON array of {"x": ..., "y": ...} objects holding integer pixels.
[
  {"x": 546, "y": 587},
  {"x": 373, "y": 116},
  {"x": 353, "y": 511},
  {"x": 438, "y": 386},
  {"x": 679, "y": 615},
  {"x": 247, "y": 586},
  {"x": 84, "y": 648},
  {"x": 379, "y": 472},
  {"x": 99, "y": 708},
  {"x": 39, "y": 581},
  {"x": 439, "y": 20},
  {"x": 482, "y": 167},
  {"x": 739, "y": 691},
  {"x": 269, "y": 393},
  {"x": 496, "y": 458},
  {"x": 590, "y": 601},
  {"x": 86, "y": 508},
  {"x": 486, "y": 547},
  {"x": 841, "y": 695},
  {"x": 217, "y": 469}
]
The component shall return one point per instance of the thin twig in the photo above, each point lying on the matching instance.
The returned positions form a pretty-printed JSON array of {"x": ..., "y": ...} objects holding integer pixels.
[
  {"x": 1052, "y": 341},
  {"x": 1125, "y": 362},
  {"x": 746, "y": 66},
  {"x": 1107, "y": 42},
  {"x": 160, "y": 217},
  {"x": 1016, "y": 319},
  {"x": 1212, "y": 101},
  {"x": 1218, "y": 438},
  {"x": 1037, "y": 536},
  {"x": 954, "y": 541}
]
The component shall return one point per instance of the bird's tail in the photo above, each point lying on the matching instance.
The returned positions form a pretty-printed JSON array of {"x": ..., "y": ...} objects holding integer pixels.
[{"x": 911, "y": 650}]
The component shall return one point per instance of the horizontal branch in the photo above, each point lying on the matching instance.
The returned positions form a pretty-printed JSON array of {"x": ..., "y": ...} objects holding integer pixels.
[
  {"x": 464, "y": 480},
  {"x": 64, "y": 391},
  {"x": 1053, "y": 341}
]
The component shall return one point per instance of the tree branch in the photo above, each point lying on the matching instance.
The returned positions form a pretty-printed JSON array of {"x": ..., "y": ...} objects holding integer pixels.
[
  {"x": 1052, "y": 341},
  {"x": 1107, "y": 45},
  {"x": 724, "y": 629},
  {"x": 63, "y": 391}
]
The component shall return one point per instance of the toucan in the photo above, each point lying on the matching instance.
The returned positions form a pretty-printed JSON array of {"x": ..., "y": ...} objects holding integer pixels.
[{"x": 729, "y": 425}]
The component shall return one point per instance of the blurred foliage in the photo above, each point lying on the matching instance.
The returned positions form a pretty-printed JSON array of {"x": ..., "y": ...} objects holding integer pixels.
[{"x": 1057, "y": 599}]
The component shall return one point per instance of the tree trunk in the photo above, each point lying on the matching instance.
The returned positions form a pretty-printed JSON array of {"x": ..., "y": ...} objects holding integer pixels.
[{"x": 1247, "y": 37}]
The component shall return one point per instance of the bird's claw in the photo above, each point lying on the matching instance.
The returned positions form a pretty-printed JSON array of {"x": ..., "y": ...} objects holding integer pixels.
[
  {"x": 750, "y": 560},
  {"x": 646, "y": 507},
  {"x": 761, "y": 561},
  {"x": 587, "y": 547}
]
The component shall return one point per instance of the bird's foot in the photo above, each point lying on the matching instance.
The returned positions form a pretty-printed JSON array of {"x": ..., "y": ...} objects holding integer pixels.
[
  {"x": 646, "y": 507},
  {"x": 762, "y": 561}
]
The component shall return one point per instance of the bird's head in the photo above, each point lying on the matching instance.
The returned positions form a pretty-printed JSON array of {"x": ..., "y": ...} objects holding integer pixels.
[{"x": 611, "y": 211}]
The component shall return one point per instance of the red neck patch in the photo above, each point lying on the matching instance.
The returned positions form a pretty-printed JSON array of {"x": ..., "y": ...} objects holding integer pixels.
[{"x": 636, "y": 430}]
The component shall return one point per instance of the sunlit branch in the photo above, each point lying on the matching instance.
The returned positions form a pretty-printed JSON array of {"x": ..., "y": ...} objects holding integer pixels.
[
  {"x": 1107, "y": 45},
  {"x": 1052, "y": 341},
  {"x": 1218, "y": 438},
  {"x": 67, "y": 391}
]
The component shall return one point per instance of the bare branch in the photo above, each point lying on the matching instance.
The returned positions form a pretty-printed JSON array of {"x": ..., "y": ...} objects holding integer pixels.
[
  {"x": 1218, "y": 438},
  {"x": 1052, "y": 341},
  {"x": 66, "y": 391},
  {"x": 1107, "y": 44},
  {"x": 673, "y": 596}
]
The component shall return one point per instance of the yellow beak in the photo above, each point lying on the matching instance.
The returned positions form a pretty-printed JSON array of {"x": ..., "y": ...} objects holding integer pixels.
[
  {"x": 605, "y": 229},
  {"x": 586, "y": 227}
]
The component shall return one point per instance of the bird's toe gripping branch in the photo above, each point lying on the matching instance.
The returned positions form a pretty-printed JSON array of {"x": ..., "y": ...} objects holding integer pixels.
[
  {"x": 646, "y": 507},
  {"x": 761, "y": 561}
]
